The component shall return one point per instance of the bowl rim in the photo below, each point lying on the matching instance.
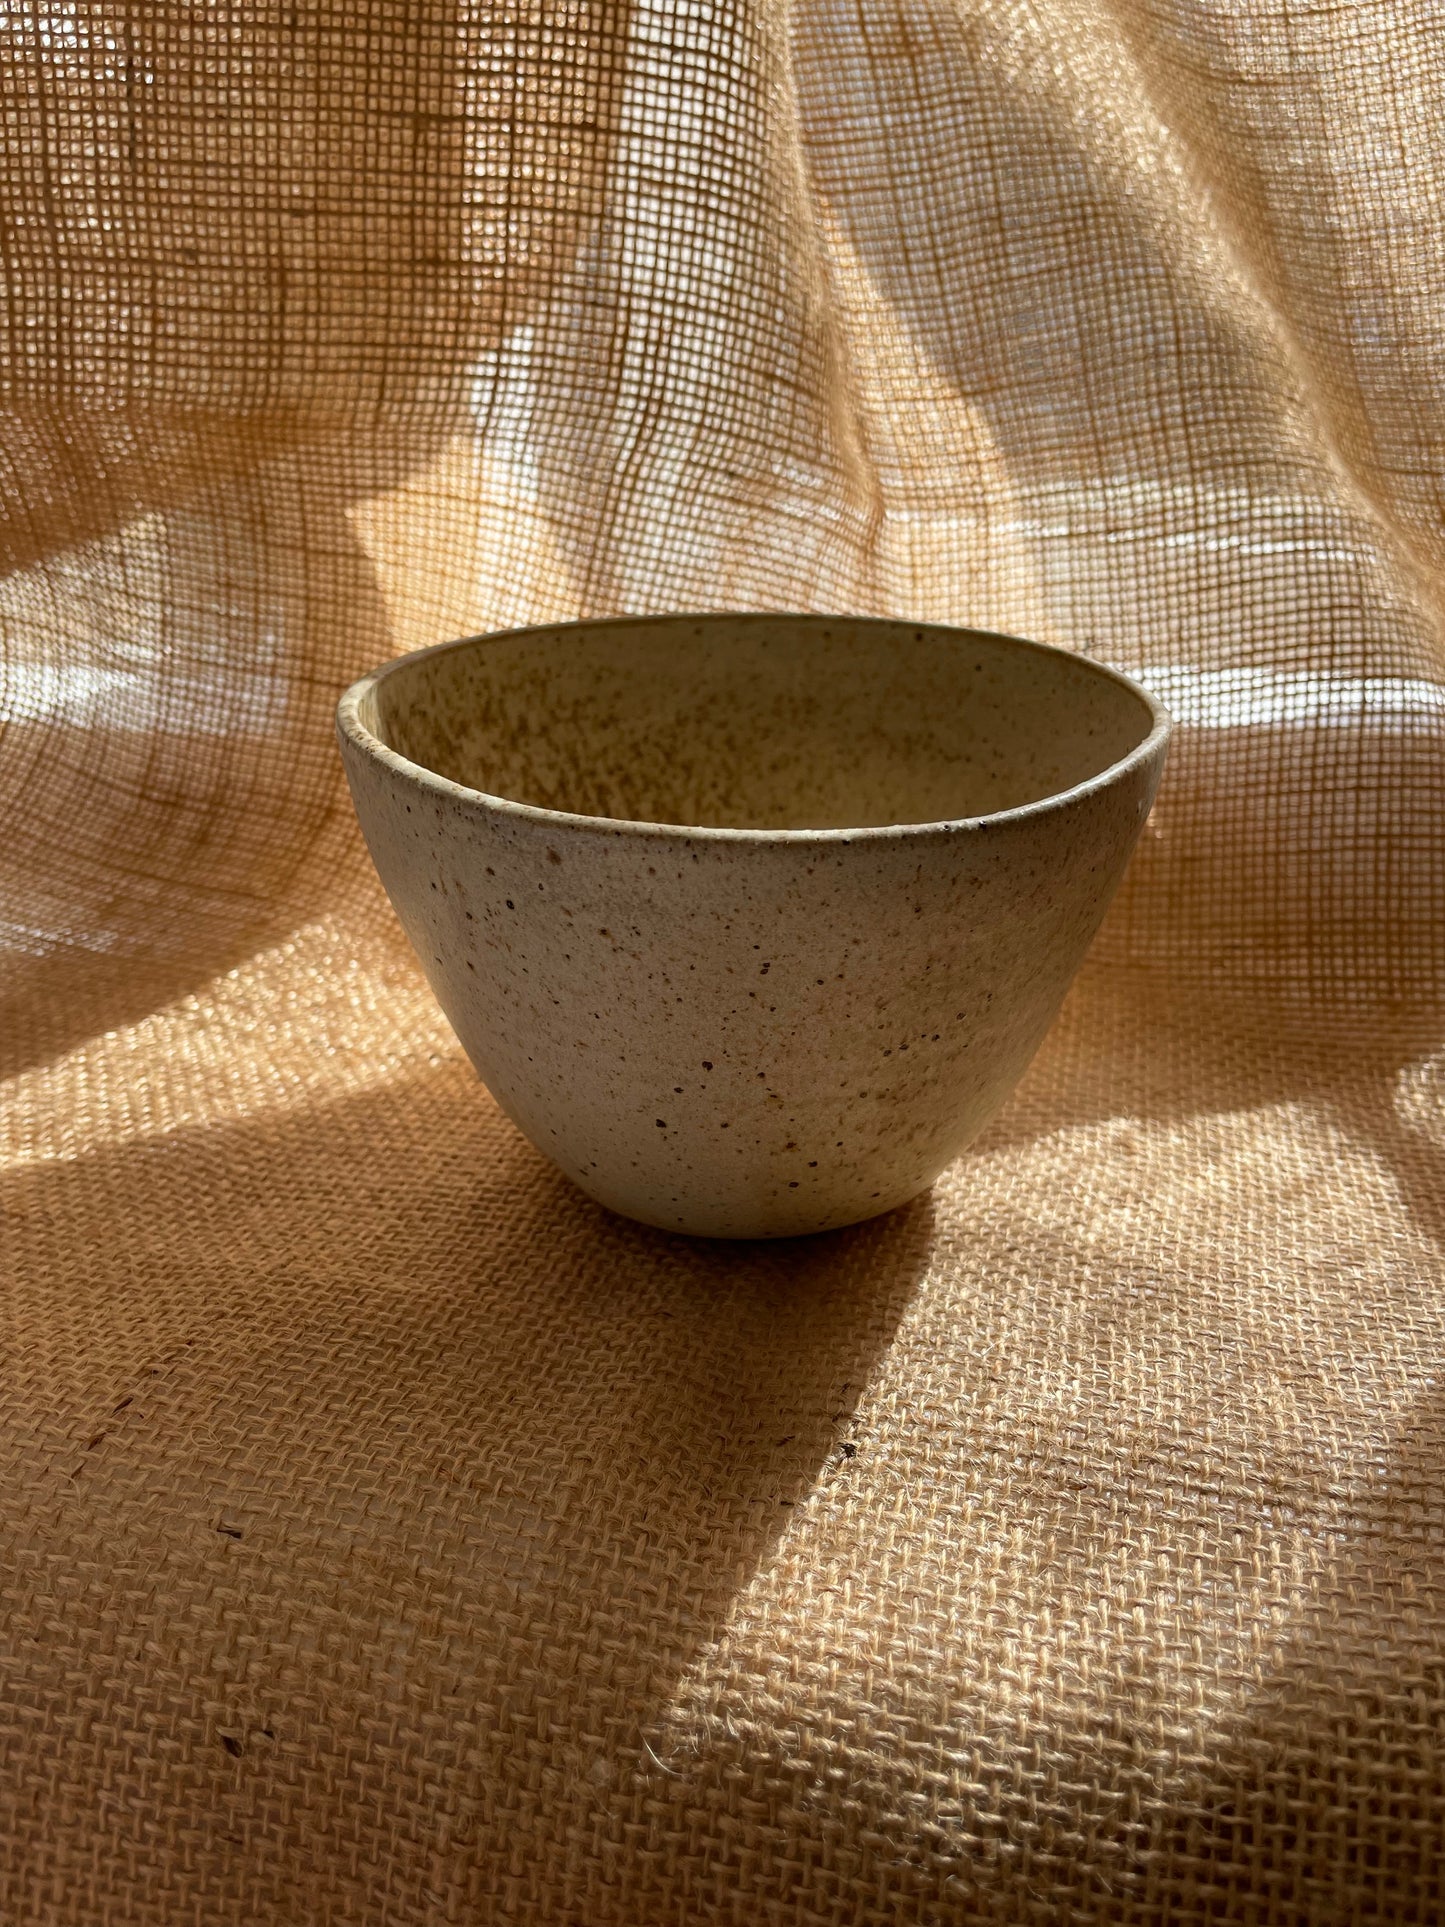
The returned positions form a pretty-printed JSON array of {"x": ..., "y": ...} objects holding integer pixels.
[{"x": 350, "y": 728}]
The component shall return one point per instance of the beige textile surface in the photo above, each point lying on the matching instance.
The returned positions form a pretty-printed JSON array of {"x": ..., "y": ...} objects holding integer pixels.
[{"x": 391, "y": 1536}]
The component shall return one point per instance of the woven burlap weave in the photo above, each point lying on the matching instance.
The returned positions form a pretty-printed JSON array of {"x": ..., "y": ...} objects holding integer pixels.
[{"x": 391, "y": 1536}]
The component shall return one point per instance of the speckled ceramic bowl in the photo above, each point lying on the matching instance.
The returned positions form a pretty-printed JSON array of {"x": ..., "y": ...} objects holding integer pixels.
[{"x": 750, "y": 922}]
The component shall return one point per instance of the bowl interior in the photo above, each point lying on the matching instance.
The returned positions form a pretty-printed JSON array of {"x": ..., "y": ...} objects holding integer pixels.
[{"x": 772, "y": 722}]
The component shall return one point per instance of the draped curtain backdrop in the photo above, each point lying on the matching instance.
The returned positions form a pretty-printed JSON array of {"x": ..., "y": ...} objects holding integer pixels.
[{"x": 392, "y": 1537}]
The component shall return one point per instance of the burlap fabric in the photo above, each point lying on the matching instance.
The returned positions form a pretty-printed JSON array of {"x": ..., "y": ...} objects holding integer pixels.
[{"x": 392, "y": 1536}]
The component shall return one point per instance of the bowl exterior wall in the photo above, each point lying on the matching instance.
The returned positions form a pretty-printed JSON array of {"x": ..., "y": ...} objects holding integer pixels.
[{"x": 738, "y": 1036}]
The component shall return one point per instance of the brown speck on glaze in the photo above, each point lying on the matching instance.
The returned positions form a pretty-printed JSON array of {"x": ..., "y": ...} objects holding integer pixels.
[{"x": 686, "y": 774}]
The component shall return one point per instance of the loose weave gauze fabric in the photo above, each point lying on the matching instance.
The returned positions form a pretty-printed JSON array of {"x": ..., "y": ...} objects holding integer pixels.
[{"x": 392, "y": 1536}]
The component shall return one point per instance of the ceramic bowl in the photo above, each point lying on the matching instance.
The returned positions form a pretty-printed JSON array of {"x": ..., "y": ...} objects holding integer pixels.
[{"x": 750, "y": 922}]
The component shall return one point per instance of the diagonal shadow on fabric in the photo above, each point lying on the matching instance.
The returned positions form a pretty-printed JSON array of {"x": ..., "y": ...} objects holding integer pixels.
[{"x": 422, "y": 1469}]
